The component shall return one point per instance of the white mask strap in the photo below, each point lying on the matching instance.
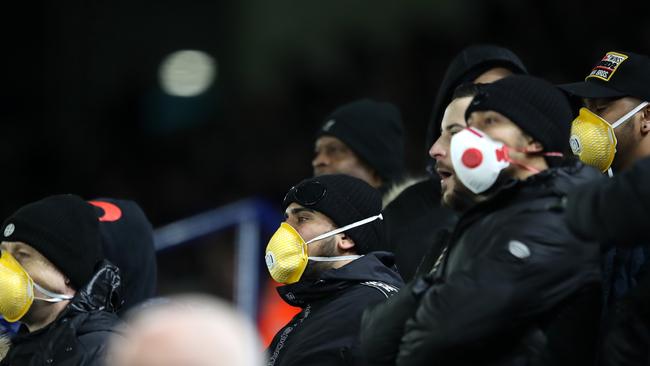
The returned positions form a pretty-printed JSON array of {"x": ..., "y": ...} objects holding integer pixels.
[
  {"x": 344, "y": 228},
  {"x": 610, "y": 173},
  {"x": 335, "y": 259},
  {"x": 54, "y": 297},
  {"x": 629, "y": 115}
]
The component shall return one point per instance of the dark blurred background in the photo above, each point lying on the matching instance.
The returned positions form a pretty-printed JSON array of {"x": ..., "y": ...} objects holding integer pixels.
[{"x": 88, "y": 104}]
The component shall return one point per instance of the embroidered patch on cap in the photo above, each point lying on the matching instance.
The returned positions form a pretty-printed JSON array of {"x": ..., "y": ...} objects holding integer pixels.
[{"x": 607, "y": 66}]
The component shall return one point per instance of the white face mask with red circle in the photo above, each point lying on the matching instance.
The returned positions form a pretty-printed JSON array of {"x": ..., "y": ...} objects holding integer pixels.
[{"x": 478, "y": 160}]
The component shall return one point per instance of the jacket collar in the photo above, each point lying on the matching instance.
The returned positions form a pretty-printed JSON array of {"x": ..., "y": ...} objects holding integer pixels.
[{"x": 375, "y": 266}]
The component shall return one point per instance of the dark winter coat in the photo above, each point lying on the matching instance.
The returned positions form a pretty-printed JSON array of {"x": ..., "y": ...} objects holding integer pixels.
[
  {"x": 616, "y": 212},
  {"x": 613, "y": 210},
  {"x": 326, "y": 331},
  {"x": 516, "y": 287},
  {"x": 80, "y": 333}
]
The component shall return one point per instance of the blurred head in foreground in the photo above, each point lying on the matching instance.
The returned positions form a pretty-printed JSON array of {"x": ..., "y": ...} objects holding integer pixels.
[{"x": 189, "y": 330}]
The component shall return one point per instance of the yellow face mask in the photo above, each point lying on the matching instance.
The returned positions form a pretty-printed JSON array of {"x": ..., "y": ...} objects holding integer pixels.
[
  {"x": 286, "y": 253},
  {"x": 593, "y": 139},
  {"x": 17, "y": 289}
]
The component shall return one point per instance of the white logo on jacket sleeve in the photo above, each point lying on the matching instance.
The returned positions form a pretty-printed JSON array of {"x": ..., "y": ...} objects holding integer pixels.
[{"x": 518, "y": 249}]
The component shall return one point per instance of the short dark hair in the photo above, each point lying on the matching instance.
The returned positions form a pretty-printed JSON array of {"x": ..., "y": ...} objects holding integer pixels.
[{"x": 465, "y": 90}]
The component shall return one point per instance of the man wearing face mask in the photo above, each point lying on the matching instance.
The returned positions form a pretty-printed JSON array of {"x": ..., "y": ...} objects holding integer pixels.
[
  {"x": 415, "y": 217},
  {"x": 321, "y": 253},
  {"x": 53, "y": 280},
  {"x": 511, "y": 272},
  {"x": 612, "y": 133}
]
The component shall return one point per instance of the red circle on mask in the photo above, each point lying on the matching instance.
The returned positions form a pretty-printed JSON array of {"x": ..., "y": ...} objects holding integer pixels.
[{"x": 472, "y": 158}]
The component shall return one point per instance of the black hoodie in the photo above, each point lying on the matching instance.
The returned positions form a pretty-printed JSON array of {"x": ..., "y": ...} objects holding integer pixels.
[
  {"x": 326, "y": 331},
  {"x": 127, "y": 241}
]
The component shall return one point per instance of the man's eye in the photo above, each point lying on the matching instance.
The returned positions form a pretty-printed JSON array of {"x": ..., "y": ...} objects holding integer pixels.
[
  {"x": 302, "y": 218},
  {"x": 334, "y": 150}
]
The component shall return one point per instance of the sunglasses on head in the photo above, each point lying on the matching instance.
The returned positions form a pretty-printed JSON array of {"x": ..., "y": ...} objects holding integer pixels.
[{"x": 306, "y": 194}]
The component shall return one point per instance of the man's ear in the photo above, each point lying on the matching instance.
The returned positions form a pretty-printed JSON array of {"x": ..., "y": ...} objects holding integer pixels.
[
  {"x": 645, "y": 120},
  {"x": 68, "y": 284},
  {"x": 534, "y": 146},
  {"x": 346, "y": 243}
]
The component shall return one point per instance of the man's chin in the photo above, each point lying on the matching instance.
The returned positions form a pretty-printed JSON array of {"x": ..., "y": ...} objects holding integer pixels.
[
  {"x": 458, "y": 201},
  {"x": 314, "y": 270},
  {"x": 447, "y": 200}
]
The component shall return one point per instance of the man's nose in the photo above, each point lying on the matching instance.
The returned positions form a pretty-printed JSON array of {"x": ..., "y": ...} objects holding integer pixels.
[
  {"x": 438, "y": 150},
  {"x": 320, "y": 160}
]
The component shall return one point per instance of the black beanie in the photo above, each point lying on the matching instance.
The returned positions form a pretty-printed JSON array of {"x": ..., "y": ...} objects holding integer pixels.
[
  {"x": 346, "y": 199},
  {"x": 127, "y": 241},
  {"x": 64, "y": 229},
  {"x": 535, "y": 105},
  {"x": 374, "y": 132}
]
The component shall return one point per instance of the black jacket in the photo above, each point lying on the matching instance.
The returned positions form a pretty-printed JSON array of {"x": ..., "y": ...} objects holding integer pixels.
[
  {"x": 412, "y": 220},
  {"x": 79, "y": 335},
  {"x": 616, "y": 212},
  {"x": 514, "y": 276},
  {"x": 326, "y": 331},
  {"x": 613, "y": 210}
]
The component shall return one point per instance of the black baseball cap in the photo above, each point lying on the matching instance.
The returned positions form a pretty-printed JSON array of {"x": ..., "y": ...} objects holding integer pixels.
[{"x": 616, "y": 75}]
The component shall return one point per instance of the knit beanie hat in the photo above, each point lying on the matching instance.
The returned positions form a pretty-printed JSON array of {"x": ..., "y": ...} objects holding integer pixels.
[
  {"x": 535, "y": 105},
  {"x": 345, "y": 200},
  {"x": 374, "y": 131},
  {"x": 127, "y": 241},
  {"x": 64, "y": 229}
]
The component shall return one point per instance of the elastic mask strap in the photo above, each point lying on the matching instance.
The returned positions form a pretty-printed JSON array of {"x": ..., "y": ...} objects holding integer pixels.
[
  {"x": 610, "y": 172},
  {"x": 335, "y": 259},
  {"x": 344, "y": 228},
  {"x": 54, "y": 297},
  {"x": 527, "y": 167},
  {"x": 629, "y": 115}
]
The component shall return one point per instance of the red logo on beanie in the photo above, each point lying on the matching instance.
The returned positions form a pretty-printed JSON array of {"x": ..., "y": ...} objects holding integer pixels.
[{"x": 111, "y": 211}]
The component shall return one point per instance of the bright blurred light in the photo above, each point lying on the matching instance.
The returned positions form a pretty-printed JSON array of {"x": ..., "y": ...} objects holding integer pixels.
[{"x": 187, "y": 73}]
